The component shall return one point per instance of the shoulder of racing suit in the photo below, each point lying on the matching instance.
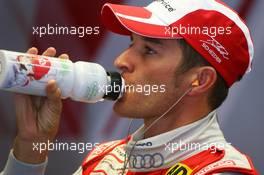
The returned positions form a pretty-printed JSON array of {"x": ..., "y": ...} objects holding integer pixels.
[
  {"x": 228, "y": 160},
  {"x": 231, "y": 161}
]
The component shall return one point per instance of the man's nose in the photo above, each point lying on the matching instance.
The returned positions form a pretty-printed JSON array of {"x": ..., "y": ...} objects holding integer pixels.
[{"x": 124, "y": 62}]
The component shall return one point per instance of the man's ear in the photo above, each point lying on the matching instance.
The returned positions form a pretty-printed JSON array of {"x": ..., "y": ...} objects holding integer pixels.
[{"x": 206, "y": 78}]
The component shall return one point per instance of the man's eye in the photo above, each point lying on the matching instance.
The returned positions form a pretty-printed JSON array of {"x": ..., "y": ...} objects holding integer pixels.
[{"x": 149, "y": 51}]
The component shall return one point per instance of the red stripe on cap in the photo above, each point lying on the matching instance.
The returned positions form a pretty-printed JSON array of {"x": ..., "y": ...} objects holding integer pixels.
[
  {"x": 114, "y": 23},
  {"x": 124, "y": 26},
  {"x": 129, "y": 10},
  {"x": 144, "y": 29}
]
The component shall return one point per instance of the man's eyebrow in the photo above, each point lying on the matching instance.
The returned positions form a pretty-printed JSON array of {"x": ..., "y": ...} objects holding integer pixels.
[{"x": 153, "y": 40}]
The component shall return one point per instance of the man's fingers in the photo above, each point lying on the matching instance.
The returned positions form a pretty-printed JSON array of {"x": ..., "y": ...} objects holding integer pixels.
[
  {"x": 33, "y": 50},
  {"x": 54, "y": 103},
  {"x": 50, "y": 52},
  {"x": 53, "y": 91},
  {"x": 64, "y": 56},
  {"x": 37, "y": 101}
]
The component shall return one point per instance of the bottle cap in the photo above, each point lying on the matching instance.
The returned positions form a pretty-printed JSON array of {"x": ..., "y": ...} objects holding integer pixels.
[{"x": 116, "y": 86}]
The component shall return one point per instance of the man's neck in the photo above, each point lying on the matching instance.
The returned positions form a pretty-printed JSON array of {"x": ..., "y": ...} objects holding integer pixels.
[{"x": 178, "y": 117}]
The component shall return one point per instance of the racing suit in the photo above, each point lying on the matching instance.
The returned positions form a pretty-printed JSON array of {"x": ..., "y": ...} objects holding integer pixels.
[{"x": 195, "y": 149}]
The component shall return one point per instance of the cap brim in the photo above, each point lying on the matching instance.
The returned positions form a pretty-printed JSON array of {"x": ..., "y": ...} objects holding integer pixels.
[{"x": 124, "y": 20}]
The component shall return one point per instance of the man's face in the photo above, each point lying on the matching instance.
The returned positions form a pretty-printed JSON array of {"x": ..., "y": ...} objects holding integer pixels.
[{"x": 149, "y": 63}]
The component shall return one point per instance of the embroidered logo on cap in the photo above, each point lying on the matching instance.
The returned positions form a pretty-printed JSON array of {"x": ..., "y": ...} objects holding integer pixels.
[
  {"x": 216, "y": 45},
  {"x": 166, "y": 5}
]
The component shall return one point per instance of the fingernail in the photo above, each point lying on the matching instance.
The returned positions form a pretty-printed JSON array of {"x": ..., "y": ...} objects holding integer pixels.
[
  {"x": 51, "y": 48},
  {"x": 53, "y": 82}
]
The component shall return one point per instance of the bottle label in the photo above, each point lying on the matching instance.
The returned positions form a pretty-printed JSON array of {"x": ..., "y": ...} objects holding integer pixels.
[
  {"x": 28, "y": 69},
  {"x": 92, "y": 90},
  {"x": 30, "y": 73}
]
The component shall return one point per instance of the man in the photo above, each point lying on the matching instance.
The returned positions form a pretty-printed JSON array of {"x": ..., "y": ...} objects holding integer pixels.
[{"x": 196, "y": 50}]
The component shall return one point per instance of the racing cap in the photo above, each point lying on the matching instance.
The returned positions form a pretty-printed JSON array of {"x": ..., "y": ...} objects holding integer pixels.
[{"x": 211, "y": 27}]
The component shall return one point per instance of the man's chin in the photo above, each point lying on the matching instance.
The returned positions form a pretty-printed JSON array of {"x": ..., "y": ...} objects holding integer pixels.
[
  {"x": 119, "y": 108},
  {"x": 123, "y": 109}
]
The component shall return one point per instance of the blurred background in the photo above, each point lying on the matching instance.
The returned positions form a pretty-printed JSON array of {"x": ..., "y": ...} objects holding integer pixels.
[{"x": 241, "y": 117}]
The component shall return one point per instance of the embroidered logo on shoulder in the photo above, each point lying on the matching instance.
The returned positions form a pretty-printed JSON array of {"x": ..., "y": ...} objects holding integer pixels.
[
  {"x": 179, "y": 169},
  {"x": 216, "y": 165},
  {"x": 105, "y": 146},
  {"x": 100, "y": 149},
  {"x": 216, "y": 45}
]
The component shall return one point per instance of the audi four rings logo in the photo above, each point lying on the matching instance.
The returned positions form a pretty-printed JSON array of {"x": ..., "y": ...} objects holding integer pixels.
[{"x": 146, "y": 161}]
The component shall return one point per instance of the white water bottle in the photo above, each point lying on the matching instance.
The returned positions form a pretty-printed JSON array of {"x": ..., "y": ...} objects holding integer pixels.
[{"x": 81, "y": 81}]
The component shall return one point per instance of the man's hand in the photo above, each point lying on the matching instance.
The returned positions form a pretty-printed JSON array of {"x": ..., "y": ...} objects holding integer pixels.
[{"x": 37, "y": 118}]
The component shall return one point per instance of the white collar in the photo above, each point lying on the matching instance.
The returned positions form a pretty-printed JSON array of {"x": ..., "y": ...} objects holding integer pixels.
[{"x": 202, "y": 134}]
